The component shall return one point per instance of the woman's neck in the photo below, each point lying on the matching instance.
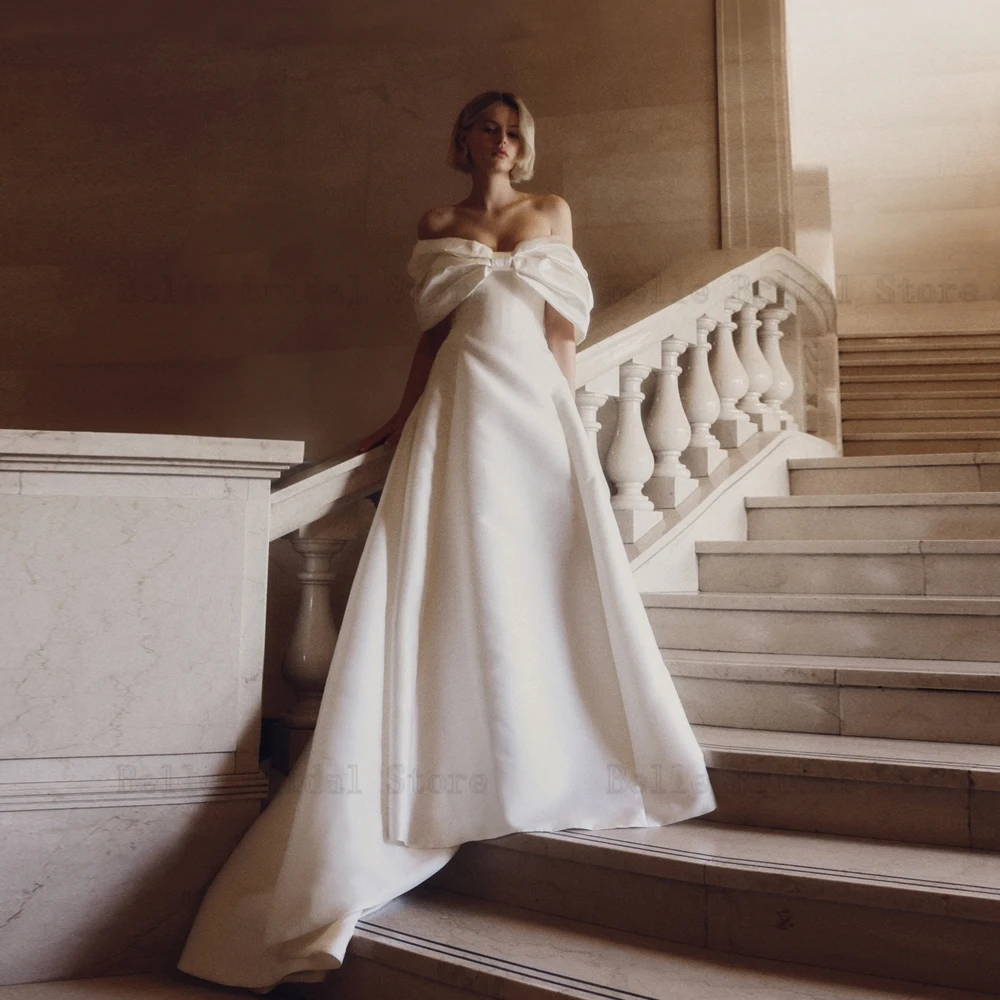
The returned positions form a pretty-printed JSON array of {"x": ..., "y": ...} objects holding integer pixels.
[{"x": 491, "y": 193}]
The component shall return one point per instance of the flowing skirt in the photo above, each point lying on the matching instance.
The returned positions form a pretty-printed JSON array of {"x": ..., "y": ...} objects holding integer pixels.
[{"x": 495, "y": 671}]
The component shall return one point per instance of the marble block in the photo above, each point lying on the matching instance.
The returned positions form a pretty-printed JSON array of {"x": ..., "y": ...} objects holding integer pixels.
[
  {"x": 133, "y": 571},
  {"x": 133, "y": 583},
  {"x": 107, "y": 891}
]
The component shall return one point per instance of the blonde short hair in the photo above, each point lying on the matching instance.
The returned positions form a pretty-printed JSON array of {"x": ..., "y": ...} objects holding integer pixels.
[{"x": 524, "y": 165}]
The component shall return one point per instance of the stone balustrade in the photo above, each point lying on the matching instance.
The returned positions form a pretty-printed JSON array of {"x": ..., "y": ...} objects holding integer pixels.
[{"x": 711, "y": 395}]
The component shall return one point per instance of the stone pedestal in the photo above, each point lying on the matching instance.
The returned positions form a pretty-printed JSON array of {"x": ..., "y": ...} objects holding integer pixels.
[{"x": 133, "y": 576}]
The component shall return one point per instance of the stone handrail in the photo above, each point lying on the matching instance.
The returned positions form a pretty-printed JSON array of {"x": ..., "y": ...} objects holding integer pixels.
[
  {"x": 693, "y": 286},
  {"x": 326, "y": 489},
  {"x": 737, "y": 306}
]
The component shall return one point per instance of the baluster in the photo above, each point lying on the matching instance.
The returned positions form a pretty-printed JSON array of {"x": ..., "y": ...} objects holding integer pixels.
[
  {"x": 306, "y": 662},
  {"x": 782, "y": 384},
  {"x": 757, "y": 369},
  {"x": 701, "y": 404},
  {"x": 629, "y": 461},
  {"x": 731, "y": 381},
  {"x": 669, "y": 432},
  {"x": 588, "y": 403}
]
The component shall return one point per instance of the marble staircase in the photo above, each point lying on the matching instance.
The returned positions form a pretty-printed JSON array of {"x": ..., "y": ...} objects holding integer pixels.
[
  {"x": 840, "y": 669},
  {"x": 187, "y": 532},
  {"x": 913, "y": 393},
  {"x": 846, "y": 692}
]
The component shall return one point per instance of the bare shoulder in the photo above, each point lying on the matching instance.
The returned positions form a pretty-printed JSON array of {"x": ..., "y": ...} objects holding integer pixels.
[
  {"x": 435, "y": 221},
  {"x": 556, "y": 210}
]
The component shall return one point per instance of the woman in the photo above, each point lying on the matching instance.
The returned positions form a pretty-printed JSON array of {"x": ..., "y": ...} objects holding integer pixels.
[{"x": 496, "y": 670}]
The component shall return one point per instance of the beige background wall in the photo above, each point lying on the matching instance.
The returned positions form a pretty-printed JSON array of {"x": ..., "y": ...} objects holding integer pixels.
[
  {"x": 208, "y": 205},
  {"x": 900, "y": 100}
]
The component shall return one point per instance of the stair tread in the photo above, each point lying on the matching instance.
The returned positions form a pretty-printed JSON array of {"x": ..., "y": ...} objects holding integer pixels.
[
  {"x": 879, "y": 359},
  {"x": 914, "y": 394},
  {"x": 816, "y": 661},
  {"x": 971, "y": 414},
  {"x": 958, "y": 881},
  {"x": 480, "y": 945},
  {"x": 960, "y": 435},
  {"x": 893, "y": 461},
  {"x": 855, "y": 376},
  {"x": 989, "y": 330},
  {"x": 885, "y": 343},
  {"x": 852, "y": 671},
  {"x": 821, "y": 754},
  {"x": 853, "y": 547},
  {"x": 979, "y": 498},
  {"x": 162, "y": 986},
  {"x": 905, "y": 604}
]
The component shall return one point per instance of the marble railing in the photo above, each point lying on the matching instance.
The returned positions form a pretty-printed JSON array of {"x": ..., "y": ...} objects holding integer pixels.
[{"x": 718, "y": 348}]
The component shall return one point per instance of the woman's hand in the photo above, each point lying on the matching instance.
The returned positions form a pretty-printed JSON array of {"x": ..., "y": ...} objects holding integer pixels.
[{"x": 388, "y": 434}]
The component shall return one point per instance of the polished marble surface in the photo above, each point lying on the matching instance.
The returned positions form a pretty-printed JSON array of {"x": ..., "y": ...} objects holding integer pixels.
[
  {"x": 92, "y": 891},
  {"x": 461, "y": 940},
  {"x": 134, "y": 570}
]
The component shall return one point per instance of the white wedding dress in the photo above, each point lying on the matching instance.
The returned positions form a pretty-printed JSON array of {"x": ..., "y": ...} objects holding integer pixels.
[{"x": 495, "y": 670}]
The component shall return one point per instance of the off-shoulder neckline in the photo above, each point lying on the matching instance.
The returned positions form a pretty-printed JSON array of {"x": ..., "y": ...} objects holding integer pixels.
[{"x": 496, "y": 253}]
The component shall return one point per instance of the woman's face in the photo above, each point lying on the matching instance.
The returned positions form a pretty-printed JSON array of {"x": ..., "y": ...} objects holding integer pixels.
[{"x": 494, "y": 141}]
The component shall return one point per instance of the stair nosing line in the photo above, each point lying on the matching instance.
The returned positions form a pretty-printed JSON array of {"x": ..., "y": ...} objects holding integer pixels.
[
  {"x": 498, "y": 964},
  {"x": 978, "y": 498},
  {"x": 888, "y": 883},
  {"x": 826, "y": 755},
  {"x": 754, "y": 601}
]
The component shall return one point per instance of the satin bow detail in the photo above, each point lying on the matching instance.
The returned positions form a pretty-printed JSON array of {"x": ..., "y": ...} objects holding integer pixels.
[
  {"x": 505, "y": 261},
  {"x": 447, "y": 270}
]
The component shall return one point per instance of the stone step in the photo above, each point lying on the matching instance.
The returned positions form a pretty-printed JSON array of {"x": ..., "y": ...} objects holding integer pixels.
[
  {"x": 936, "y": 473},
  {"x": 902, "y": 444},
  {"x": 161, "y": 986},
  {"x": 906, "y": 342},
  {"x": 433, "y": 944},
  {"x": 943, "y": 332},
  {"x": 437, "y": 945},
  {"x": 920, "y": 372},
  {"x": 981, "y": 381},
  {"x": 954, "y": 360},
  {"x": 943, "y": 701},
  {"x": 922, "y": 628},
  {"x": 906, "y": 567},
  {"x": 862, "y": 404},
  {"x": 918, "y": 421},
  {"x": 939, "y": 379},
  {"x": 975, "y": 439},
  {"x": 886, "y": 789},
  {"x": 921, "y": 424},
  {"x": 880, "y": 516},
  {"x": 929, "y": 914}
]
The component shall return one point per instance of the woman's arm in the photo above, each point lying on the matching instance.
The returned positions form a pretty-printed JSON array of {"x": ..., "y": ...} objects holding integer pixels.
[
  {"x": 423, "y": 357},
  {"x": 428, "y": 226},
  {"x": 559, "y": 332},
  {"x": 420, "y": 368},
  {"x": 560, "y": 337}
]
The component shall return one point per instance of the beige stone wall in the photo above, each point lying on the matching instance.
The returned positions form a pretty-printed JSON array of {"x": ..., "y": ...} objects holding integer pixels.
[
  {"x": 900, "y": 101},
  {"x": 209, "y": 204}
]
